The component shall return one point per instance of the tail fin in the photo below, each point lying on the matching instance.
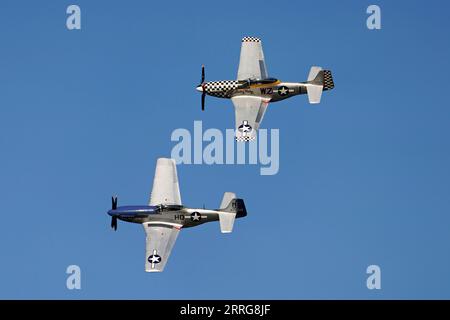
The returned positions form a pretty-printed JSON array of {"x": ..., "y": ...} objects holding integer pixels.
[
  {"x": 230, "y": 208},
  {"x": 227, "y": 197},
  {"x": 318, "y": 81},
  {"x": 232, "y": 204}
]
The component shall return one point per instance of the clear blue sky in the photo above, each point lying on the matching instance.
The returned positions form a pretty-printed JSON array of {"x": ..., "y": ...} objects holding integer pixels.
[{"x": 364, "y": 177}]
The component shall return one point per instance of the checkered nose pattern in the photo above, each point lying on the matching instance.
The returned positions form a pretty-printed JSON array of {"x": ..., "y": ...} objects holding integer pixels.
[{"x": 220, "y": 88}]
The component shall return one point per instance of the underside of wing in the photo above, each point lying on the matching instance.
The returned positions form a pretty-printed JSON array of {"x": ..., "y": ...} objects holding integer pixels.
[
  {"x": 166, "y": 190},
  {"x": 159, "y": 243},
  {"x": 251, "y": 63},
  {"x": 249, "y": 112}
]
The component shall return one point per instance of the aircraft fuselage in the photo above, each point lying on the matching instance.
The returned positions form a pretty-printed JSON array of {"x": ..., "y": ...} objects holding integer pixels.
[
  {"x": 180, "y": 215},
  {"x": 273, "y": 91}
]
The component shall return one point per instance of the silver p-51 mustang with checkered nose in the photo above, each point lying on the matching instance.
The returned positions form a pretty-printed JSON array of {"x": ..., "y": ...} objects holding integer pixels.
[
  {"x": 165, "y": 216},
  {"x": 254, "y": 89}
]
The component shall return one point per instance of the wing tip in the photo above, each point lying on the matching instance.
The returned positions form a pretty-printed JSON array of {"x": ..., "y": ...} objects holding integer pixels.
[
  {"x": 245, "y": 139},
  {"x": 169, "y": 161},
  {"x": 251, "y": 39}
]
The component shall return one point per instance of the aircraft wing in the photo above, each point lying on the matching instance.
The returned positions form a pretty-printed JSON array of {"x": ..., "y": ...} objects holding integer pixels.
[
  {"x": 249, "y": 112},
  {"x": 161, "y": 237},
  {"x": 251, "y": 64},
  {"x": 165, "y": 190}
]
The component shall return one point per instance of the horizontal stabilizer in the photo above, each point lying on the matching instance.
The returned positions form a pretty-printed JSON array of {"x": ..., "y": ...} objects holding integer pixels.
[
  {"x": 313, "y": 72},
  {"x": 314, "y": 93},
  {"x": 226, "y": 220},
  {"x": 315, "y": 84}
]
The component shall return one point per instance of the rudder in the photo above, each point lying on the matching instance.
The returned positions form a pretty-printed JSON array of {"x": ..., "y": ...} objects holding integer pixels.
[{"x": 328, "y": 82}]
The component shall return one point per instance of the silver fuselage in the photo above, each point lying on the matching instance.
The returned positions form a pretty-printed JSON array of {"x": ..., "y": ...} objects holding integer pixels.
[
  {"x": 272, "y": 92},
  {"x": 187, "y": 217}
]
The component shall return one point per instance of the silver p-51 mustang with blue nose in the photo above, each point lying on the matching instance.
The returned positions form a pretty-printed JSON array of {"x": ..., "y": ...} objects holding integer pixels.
[
  {"x": 165, "y": 216},
  {"x": 254, "y": 89}
]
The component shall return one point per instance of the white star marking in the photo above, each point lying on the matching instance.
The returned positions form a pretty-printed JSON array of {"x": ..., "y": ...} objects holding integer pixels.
[
  {"x": 245, "y": 127},
  {"x": 283, "y": 91},
  {"x": 196, "y": 216},
  {"x": 155, "y": 259}
]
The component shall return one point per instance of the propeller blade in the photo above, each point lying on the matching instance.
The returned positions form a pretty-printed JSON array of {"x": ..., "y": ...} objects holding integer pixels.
[
  {"x": 202, "y": 84},
  {"x": 114, "y": 203},
  {"x": 203, "y": 74},
  {"x": 203, "y": 100},
  {"x": 114, "y": 223}
]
